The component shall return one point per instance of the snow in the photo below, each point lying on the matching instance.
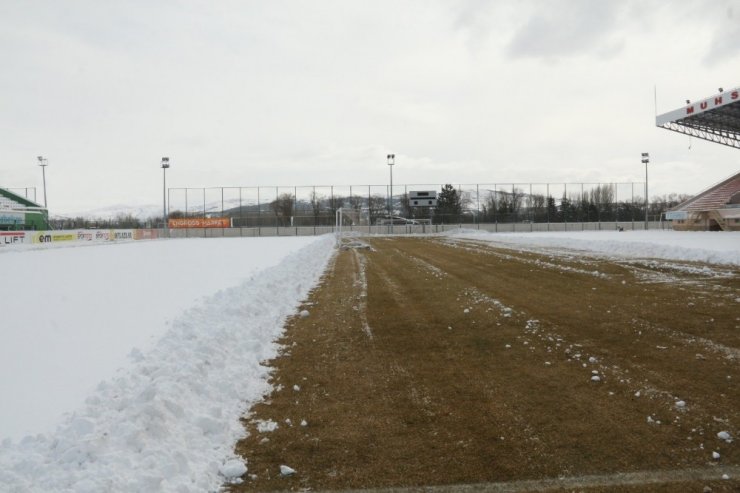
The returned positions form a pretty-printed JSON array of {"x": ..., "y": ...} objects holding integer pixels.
[
  {"x": 132, "y": 363},
  {"x": 720, "y": 247},
  {"x": 233, "y": 468},
  {"x": 264, "y": 426}
]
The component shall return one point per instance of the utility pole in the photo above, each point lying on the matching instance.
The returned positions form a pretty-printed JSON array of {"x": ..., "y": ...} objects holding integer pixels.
[{"x": 645, "y": 161}]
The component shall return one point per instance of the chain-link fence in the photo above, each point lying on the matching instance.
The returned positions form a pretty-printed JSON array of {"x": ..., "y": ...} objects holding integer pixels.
[
  {"x": 377, "y": 205},
  {"x": 27, "y": 192}
]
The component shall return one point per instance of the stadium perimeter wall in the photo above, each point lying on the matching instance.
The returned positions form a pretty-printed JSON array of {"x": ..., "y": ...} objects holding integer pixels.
[
  {"x": 409, "y": 229},
  {"x": 53, "y": 238},
  {"x": 86, "y": 236}
]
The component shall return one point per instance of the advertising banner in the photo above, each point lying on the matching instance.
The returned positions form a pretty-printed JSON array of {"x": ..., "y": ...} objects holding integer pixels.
[
  {"x": 200, "y": 222},
  {"x": 146, "y": 234},
  {"x": 51, "y": 236},
  {"x": 9, "y": 238},
  {"x": 13, "y": 237}
]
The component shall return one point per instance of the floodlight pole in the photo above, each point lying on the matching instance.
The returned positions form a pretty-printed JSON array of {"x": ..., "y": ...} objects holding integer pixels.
[
  {"x": 391, "y": 162},
  {"x": 43, "y": 162},
  {"x": 165, "y": 165},
  {"x": 645, "y": 161}
]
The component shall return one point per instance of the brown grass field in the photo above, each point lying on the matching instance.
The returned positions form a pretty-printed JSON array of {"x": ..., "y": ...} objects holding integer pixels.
[{"x": 438, "y": 362}]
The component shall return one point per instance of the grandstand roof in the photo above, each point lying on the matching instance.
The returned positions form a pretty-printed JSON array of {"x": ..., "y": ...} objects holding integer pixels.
[
  {"x": 716, "y": 119},
  {"x": 11, "y": 200},
  {"x": 715, "y": 197}
]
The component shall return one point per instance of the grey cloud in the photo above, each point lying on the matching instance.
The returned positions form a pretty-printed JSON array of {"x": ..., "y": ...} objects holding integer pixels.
[
  {"x": 564, "y": 29},
  {"x": 726, "y": 39}
]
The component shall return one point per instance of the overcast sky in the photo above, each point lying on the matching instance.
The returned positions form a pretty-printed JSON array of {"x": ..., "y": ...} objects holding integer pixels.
[{"x": 247, "y": 93}]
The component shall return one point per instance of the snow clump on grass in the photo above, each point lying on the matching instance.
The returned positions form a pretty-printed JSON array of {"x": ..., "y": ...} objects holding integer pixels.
[
  {"x": 233, "y": 468},
  {"x": 265, "y": 426}
]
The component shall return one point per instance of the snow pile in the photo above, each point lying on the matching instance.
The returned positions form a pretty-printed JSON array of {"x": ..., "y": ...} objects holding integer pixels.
[
  {"x": 702, "y": 246},
  {"x": 169, "y": 421},
  {"x": 73, "y": 315}
]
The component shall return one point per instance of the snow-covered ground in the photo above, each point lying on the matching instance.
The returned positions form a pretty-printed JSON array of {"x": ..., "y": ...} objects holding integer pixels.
[
  {"x": 126, "y": 367},
  {"x": 702, "y": 246}
]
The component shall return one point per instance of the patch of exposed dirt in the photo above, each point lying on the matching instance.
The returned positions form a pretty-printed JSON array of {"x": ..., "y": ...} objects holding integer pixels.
[{"x": 429, "y": 362}]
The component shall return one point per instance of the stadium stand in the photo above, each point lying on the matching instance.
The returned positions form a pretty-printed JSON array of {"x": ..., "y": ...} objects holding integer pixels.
[
  {"x": 17, "y": 213},
  {"x": 715, "y": 209}
]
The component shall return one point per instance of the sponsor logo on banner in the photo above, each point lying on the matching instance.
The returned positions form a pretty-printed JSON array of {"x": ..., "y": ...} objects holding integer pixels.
[
  {"x": 81, "y": 235},
  {"x": 200, "y": 222},
  {"x": 50, "y": 237},
  {"x": 12, "y": 237},
  {"x": 715, "y": 102},
  {"x": 145, "y": 234}
]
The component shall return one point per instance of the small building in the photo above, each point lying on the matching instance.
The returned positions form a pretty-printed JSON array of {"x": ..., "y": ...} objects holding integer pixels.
[
  {"x": 715, "y": 209},
  {"x": 17, "y": 213}
]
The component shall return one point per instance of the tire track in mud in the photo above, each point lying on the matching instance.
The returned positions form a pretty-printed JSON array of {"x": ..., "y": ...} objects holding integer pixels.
[
  {"x": 647, "y": 379},
  {"x": 360, "y": 270}
]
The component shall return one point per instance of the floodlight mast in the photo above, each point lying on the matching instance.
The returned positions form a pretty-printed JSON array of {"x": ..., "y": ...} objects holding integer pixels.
[
  {"x": 43, "y": 162},
  {"x": 165, "y": 165},
  {"x": 391, "y": 162},
  {"x": 645, "y": 161}
]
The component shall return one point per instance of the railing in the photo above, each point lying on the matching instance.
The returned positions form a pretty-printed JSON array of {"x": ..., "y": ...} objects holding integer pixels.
[{"x": 409, "y": 229}]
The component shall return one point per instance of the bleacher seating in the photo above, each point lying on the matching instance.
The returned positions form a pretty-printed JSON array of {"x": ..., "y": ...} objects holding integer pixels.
[
  {"x": 6, "y": 203},
  {"x": 714, "y": 198}
]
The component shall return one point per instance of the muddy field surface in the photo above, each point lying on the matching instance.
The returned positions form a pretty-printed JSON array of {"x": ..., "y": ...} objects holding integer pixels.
[{"x": 432, "y": 362}]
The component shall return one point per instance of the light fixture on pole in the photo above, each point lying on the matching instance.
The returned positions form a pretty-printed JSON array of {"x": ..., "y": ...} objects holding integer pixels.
[
  {"x": 43, "y": 162},
  {"x": 645, "y": 161},
  {"x": 165, "y": 165},
  {"x": 391, "y": 162}
]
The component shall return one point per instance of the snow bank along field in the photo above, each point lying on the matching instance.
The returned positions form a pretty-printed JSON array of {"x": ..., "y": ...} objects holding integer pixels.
[{"x": 126, "y": 367}]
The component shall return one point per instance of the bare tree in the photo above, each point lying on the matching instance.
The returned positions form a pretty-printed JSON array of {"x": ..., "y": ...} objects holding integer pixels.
[
  {"x": 282, "y": 206},
  {"x": 127, "y": 221},
  {"x": 336, "y": 202},
  {"x": 488, "y": 207},
  {"x": 356, "y": 202},
  {"x": 376, "y": 207},
  {"x": 537, "y": 205},
  {"x": 315, "y": 200}
]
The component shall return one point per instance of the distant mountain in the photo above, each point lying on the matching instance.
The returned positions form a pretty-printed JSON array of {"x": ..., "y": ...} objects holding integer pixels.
[{"x": 141, "y": 212}]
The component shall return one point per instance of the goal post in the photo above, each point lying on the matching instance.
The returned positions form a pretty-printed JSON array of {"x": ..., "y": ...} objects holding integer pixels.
[{"x": 346, "y": 218}]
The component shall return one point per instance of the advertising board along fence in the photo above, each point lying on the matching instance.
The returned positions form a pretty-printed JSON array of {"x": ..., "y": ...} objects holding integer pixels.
[
  {"x": 66, "y": 237},
  {"x": 410, "y": 229}
]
